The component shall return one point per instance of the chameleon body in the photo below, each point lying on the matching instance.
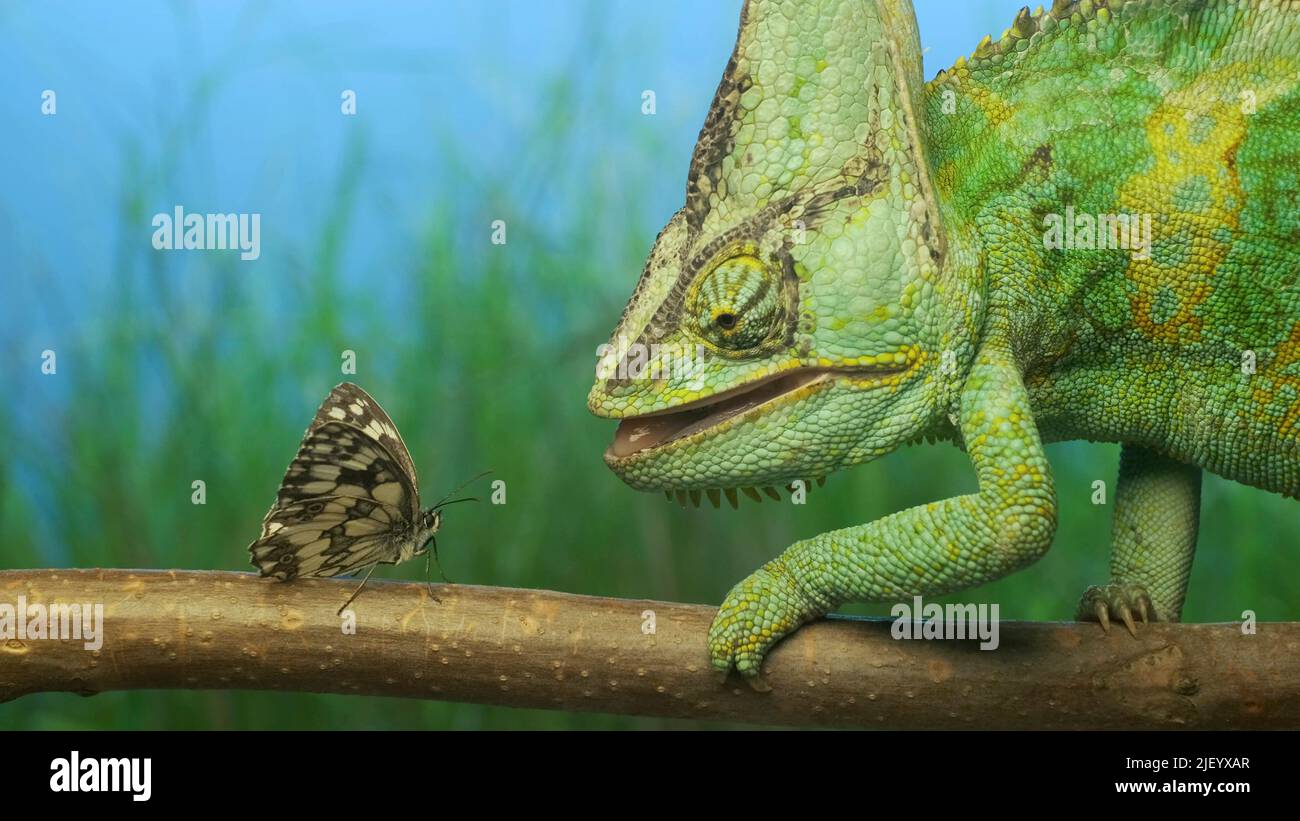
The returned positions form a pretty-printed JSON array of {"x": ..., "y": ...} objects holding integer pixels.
[{"x": 1090, "y": 229}]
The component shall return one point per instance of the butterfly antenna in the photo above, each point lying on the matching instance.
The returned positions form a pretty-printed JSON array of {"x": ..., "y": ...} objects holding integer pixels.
[
  {"x": 459, "y": 488},
  {"x": 360, "y": 587},
  {"x": 441, "y": 505},
  {"x": 433, "y": 540}
]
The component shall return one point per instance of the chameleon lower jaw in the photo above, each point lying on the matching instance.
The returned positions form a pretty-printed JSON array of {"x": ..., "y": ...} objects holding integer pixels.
[{"x": 639, "y": 434}]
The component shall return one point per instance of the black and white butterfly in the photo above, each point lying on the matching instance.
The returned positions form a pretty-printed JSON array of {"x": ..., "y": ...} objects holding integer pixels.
[{"x": 350, "y": 499}]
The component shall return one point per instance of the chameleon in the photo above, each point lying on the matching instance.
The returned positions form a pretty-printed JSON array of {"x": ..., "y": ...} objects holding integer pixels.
[{"x": 1089, "y": 229}]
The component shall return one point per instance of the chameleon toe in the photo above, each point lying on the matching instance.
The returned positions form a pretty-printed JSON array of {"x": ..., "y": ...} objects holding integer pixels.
[{"x": 1116, "y": 602}]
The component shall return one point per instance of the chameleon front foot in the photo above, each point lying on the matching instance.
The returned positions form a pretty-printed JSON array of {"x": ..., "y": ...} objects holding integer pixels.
[
  {"x": 1117, "y": 602},
  {"x": 755, "y": 615}
]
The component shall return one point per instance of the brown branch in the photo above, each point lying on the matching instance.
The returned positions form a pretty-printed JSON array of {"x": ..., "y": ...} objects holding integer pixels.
[{"x": 532, "y": 648}]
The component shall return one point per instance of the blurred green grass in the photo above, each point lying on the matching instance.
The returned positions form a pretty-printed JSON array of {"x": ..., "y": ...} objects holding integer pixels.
[{"x": 484, "y": 361}]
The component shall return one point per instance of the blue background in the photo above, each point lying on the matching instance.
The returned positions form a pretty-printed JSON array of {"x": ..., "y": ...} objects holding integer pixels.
[{"x": 177, "y": 366}]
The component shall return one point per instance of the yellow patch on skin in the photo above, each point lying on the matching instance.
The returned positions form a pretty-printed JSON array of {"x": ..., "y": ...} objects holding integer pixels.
[
  {"x": 996, "y": 111},
  {"x": 1186, "y": 153},
  {"x": 1280, "y": 374}
]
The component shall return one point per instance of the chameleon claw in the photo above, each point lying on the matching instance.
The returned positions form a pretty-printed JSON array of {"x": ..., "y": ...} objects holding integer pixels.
[
  {"x": 758, "y": 684},
  {"x": 1121, "y": 602},
  {"x": 1127, "y": 615},
  {"x": 1102, "y": 613}
]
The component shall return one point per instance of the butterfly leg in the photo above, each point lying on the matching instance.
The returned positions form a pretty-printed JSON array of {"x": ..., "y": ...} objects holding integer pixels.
[
  {"x": 428, "y": 574},
  {"x": 360, "y": 587}
]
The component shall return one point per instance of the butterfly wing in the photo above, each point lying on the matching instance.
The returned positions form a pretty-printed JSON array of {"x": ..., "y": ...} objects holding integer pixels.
[
  {"x": 349, "y": 498},
  {"x": 327, "y": 536},
  {"x": 349, "y": 405},
  {"x": 353, "y": 445}
]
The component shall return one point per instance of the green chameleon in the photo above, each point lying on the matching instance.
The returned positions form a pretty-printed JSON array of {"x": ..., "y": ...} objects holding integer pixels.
[{"x": 1088, "y": 230}]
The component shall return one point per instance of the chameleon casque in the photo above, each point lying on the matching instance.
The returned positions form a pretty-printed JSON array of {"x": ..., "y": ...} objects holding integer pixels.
[{"x": 865, "y": 260}]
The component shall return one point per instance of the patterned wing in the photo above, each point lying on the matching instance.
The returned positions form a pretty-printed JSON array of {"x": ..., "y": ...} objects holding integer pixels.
[
  {"x": 349, "y": 498},
  {"x": 349, "y": 404},
  {"x": 352, "y": 448},
  {"x": 328, "y": 536}
]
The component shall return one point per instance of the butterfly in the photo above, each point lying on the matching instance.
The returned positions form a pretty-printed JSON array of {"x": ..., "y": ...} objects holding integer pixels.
[{"x": 350, "y": 499}]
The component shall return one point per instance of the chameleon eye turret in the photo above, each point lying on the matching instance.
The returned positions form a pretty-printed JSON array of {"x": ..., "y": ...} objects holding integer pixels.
[{"x": 737, "y": 306}]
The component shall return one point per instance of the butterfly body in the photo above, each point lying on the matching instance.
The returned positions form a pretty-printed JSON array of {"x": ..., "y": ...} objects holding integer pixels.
[
  {"x": 425, "y": 530},
  {"x": 349, "y": 499}
]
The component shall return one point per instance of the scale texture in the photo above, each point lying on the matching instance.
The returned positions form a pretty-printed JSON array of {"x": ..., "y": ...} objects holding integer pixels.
[{"x": 1089, "y": 229}]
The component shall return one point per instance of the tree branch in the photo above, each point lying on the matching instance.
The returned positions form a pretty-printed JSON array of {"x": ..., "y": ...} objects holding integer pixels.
[{"x": 532, "y": 648}]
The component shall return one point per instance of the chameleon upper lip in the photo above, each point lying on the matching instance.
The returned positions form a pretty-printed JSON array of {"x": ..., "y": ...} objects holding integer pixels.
[{"x": 641, "y": 433}]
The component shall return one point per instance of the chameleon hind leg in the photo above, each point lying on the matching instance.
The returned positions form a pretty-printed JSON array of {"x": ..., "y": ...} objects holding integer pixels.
[{"x": 1153, "y": 541}]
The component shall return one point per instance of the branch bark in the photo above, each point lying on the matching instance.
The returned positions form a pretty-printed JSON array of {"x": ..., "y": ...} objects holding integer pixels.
[{"x": 533, "y": 648}]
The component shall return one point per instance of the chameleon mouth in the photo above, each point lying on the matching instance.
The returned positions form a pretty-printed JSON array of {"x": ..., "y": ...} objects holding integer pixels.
[
  {"x": 638, "y": 435},
  {"x": 642, "y": 433}
]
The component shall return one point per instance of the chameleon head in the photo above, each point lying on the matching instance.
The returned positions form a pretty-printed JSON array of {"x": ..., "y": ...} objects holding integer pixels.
[{"x": 793, "y": 317}]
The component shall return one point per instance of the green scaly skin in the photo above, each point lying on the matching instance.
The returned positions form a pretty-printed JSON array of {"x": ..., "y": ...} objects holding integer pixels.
[{"x": 873, "y": 252}]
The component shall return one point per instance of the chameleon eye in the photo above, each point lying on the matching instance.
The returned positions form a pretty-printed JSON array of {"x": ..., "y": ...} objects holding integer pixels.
[{"x": 737, "y": 305}]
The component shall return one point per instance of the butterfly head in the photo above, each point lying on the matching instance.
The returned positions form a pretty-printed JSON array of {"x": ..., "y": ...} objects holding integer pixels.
[{"x": 426, "y": 528}]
